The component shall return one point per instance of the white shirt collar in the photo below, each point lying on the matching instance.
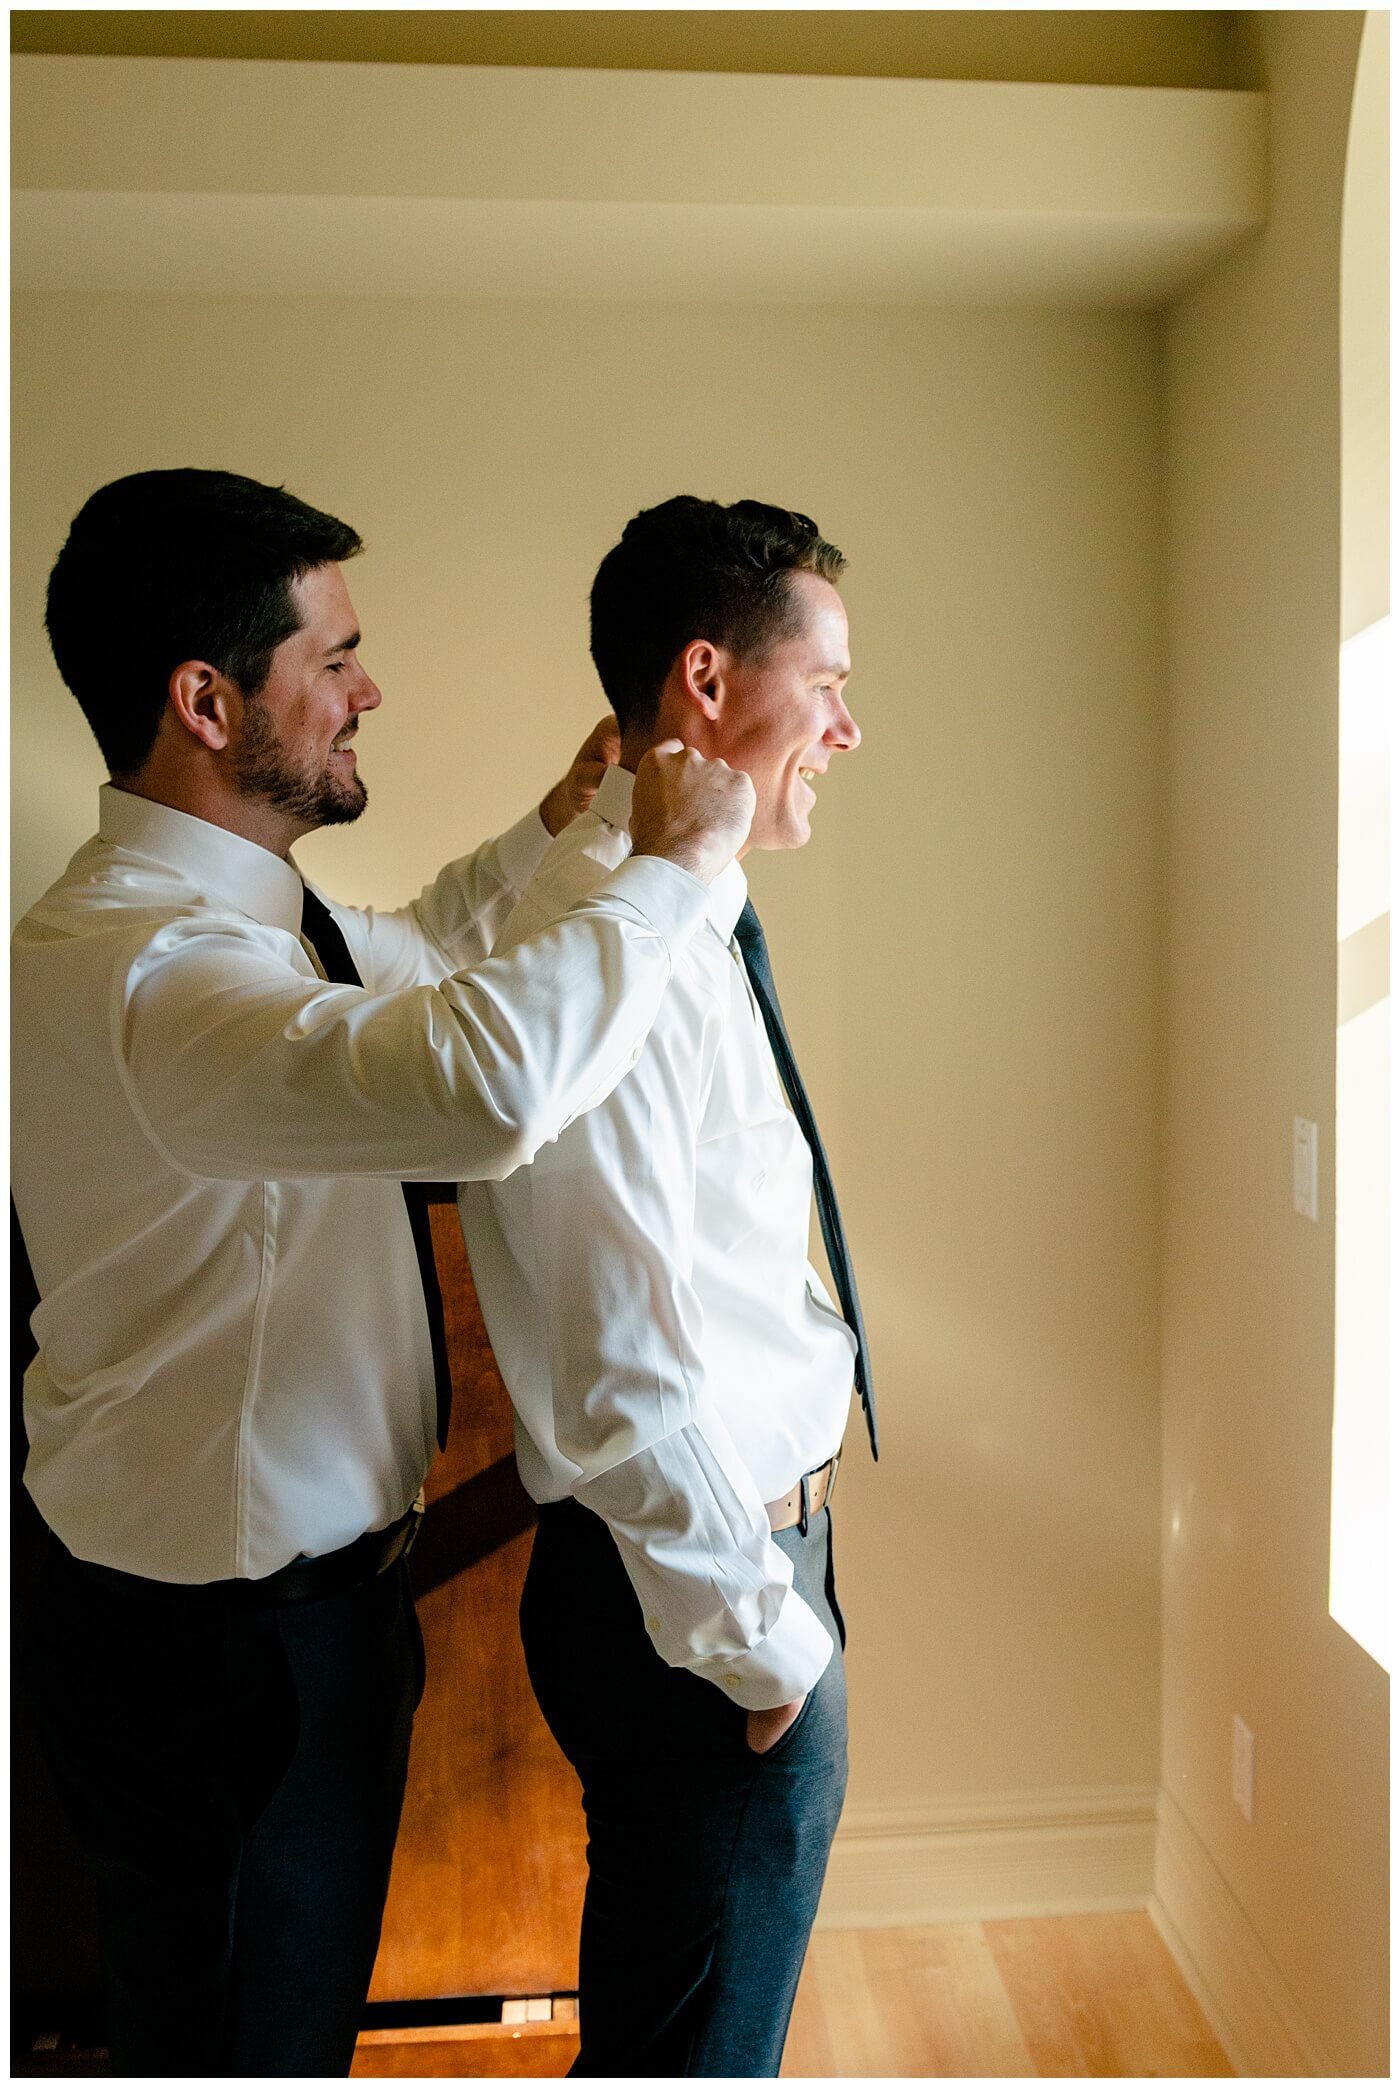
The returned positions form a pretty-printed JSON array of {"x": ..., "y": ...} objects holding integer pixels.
[
  {"x": 730, "y": 890},
  {"x": 260, "y": 884}
]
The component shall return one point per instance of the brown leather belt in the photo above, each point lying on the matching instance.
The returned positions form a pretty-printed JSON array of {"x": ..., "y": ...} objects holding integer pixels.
[{"x": 808, "y": 1498}]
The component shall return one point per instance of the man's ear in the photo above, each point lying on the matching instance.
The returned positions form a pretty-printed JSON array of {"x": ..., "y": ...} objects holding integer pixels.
[
  {"x": 702, "y": 677},
  {"x": 204, "y": 702}
]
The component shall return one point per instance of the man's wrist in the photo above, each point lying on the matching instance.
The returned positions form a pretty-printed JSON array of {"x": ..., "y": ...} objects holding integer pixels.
[{"x": 557, "y": 808}]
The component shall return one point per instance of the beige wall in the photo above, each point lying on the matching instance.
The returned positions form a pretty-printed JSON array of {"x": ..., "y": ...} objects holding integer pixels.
[
  {"x": 969, "y": 950},
  {"x": 1254, "y": 626}
]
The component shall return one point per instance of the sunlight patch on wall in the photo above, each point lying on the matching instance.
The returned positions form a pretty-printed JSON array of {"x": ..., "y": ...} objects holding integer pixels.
[{"x": 1359, "y": 1593}]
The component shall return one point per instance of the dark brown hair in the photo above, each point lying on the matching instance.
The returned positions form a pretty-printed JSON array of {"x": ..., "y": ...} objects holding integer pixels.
[
  {"x": 166, "y": 566},
  {"x": 696, "y": 569}
]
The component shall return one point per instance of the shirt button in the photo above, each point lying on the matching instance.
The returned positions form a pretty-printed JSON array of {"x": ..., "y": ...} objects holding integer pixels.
[
  {"x": 730, "y": 1681},
  {"x": 653, "y": 1623}
]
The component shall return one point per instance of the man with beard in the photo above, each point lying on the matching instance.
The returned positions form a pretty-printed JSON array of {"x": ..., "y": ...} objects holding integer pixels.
[{"x": 228, "y": 1096}]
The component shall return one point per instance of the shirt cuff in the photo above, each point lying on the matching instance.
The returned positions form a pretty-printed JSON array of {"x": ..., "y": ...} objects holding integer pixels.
[
  {"x": 788, "y": 1663},
  {"x": 522, "y": 848},
  {"x": 668, "y": 898}
]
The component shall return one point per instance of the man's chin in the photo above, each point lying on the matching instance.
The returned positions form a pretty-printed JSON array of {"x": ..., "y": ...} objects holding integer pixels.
[
  {"x": 342, "y": 806},
  {"x": 784, "y": 826},
  {"x": 314, "y": 801},
  {"x": 796, "y": 832}
]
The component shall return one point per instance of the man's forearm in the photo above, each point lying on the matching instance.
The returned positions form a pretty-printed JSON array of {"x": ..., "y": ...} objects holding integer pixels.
[{"x": 715, "y": 1590}]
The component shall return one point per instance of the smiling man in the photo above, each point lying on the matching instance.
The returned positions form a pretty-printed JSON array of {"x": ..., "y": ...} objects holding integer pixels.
[
  {"x": 680, "y": 1374},
  {"x": 227, "y": 1099}
]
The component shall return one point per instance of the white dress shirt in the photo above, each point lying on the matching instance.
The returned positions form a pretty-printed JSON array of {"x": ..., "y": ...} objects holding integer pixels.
[
  {"x": 234, "y": 1359},
  {"x": 673, "y": 1357}
]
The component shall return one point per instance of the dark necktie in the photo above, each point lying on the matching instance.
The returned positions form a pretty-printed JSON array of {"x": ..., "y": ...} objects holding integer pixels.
[
  {"x": 321, "y": 930},
  {"x": 749, "y": 936}
]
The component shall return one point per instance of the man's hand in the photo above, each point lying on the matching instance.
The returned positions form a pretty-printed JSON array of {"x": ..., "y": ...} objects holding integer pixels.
[
  {"x": 697, "y": 813},
  {"x": 577, "y": 790},
  {"x": 766, "y": 1728}
]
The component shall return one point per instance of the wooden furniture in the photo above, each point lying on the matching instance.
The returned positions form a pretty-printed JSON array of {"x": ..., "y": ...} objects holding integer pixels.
[{"x": 489, "y": 1872}]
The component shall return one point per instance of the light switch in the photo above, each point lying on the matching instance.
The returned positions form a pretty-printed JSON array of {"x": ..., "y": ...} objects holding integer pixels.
[
  {"x": 1305, "y": 1168},
  {"x": 1242, "y": 1767}
]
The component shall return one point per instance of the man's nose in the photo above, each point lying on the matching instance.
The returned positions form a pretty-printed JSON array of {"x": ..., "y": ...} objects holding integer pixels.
[
  {"x": 367, "y": 695},
  {"x": 843, "y": 732}
]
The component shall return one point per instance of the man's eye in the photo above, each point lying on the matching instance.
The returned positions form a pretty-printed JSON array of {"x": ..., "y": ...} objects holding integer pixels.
[{"x": 336, "y": 667}]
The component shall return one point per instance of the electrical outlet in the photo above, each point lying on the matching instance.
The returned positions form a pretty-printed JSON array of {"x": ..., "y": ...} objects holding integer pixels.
[{"x": 1242, "y": 1768}]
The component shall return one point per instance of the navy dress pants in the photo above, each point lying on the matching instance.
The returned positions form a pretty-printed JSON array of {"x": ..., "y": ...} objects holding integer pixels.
[
  {"x": 235, "y": 1774},
  {"x": 705, "y": 1860}
]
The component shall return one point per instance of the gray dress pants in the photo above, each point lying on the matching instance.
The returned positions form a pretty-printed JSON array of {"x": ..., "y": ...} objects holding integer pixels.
[{"x": 705, "y": 1861}]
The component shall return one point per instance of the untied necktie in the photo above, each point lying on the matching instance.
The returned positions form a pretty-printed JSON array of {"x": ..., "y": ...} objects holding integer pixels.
[
  {"x": 749, "y": 936},
  {"x": 322, "y": 931}
]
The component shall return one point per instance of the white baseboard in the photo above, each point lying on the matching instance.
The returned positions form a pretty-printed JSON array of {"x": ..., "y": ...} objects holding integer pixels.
[
  {"x": 1244, "y": 1996},
  {"x": 1033, "y": 1852}
]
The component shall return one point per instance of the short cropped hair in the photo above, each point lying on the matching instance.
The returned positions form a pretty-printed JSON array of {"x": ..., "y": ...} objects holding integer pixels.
[
  {"x": 166, "y": 566},
  {"x": 697, "y": 569}
]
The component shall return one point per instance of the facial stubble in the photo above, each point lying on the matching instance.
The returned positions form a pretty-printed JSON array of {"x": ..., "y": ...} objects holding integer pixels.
[{"x": 265, "y": 772}]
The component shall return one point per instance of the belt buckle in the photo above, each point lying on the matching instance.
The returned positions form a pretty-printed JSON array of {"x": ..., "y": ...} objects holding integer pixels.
[
  {"x": 831, "y": 1482},
  {"x": 804, "y": 1513}
]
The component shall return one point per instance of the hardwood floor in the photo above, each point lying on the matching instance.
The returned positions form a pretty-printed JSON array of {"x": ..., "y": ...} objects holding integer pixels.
[
  {"x": 1078, "y": 1994},
  {"x": 1091, "y": 1995}
]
